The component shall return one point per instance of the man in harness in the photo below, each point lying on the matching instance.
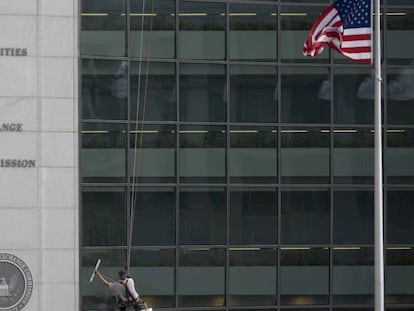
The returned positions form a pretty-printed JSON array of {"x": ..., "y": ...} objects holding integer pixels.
[{"x": 124, "y": 291}]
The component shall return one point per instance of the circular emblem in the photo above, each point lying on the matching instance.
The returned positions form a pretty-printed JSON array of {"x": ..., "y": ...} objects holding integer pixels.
[{"x": 16, "y": 283}]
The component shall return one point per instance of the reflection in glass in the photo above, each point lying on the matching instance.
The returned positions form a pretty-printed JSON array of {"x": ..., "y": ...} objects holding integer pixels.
[
  {"x": 152, "y": 153},
  {"x": 399, "y": 156},
  {"x": 253, "y": 155},
  {"x": 253, "y": 216},
  {"x": 153, "y": 272},
  {"x": 103, "y": 152},
  {"x": 305, "y": 155},
  {"x": 353, "y": 156},
  {"x": 202, "y": 154},
  {"x": 253, "y": 93},
  {"x": 202, "y": 92},
  {"x": 99, "y": 297},
  {"x": 155, "y": 83},
  {"x": 202, "y": 215},
  {"x": 104, "y": 216},
  {"x": 201, "y": 277},
  {"x": 399, "y": 286},
  {"x": 154, "y": 216},
  {"x": 353, "y": 96},
  {"x": 353, "y": 216},
  {"x": 301, "y": 97},
  {"x": 353, "y": 275},
  {"x": 103, "y": 27},
  {"x": 104, "y": 89},
  {"x": 304, "y": 276},
  {"x": 252, "y": 276},
  {"x": 252, "y": 26},
  {"x": 305, "y": 216},
  {"x": 202, "y": 30},
  {"x": 400, "y": 90},
  {"x": 400, "y": 216},
  {"x": 155, "y": 22}
]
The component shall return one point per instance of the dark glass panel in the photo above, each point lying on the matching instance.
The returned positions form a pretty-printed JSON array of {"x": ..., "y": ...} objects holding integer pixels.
[
  {"x": 94, "y": 295},
  {"x": 252, "y": 26},
  {"x": 152, "y": 153},
  {"x": 202, "y": 215},
  {"x": 202, "y": 154},
  {"x": 154, "y": 216},
  {"x": 353, "y": 156},
  {"x": 202, "y": 92},
  {"x": 300, "y": 97},
  {"x": 304, "y": 276},
  {"x": 305, "y": 155},
  {"x": 353, "y": 275},
  {"x": 353, "y": 216},
  {"x": 252, "y": 276},
  {"x": 253, "y": 93},
  {"x": 399, "y": 156},
  {"x": 399, "y": 286},
  {"x": 400, "y": 95},
  {"x": 400, "y": 216},
  {"x": 103, "y": 152},
  {"x": 153, "y": 272},
  {"x": 202, "y": 30},
  {"x": 152, "y": 28},
  {"x": 103, "y": 27},
  {"x": 305, "y": 216},
  {"x": 353, "y": 95},
  {"x": 104, "y": 216},
  {"x": 253, "y": 155},
  {"x": 155, "y": 84},
  {"x": 104, "y": 89},
  {"x": 201, "y": 277},
  {"x": 253, "y": 216}
]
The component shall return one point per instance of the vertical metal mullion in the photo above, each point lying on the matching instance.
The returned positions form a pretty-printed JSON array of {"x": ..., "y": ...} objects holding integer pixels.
[
  {"x": 227, "y": 72},
  {"x": 177, "y": 159}
]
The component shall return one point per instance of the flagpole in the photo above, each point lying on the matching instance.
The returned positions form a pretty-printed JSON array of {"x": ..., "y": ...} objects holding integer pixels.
[{"x": 378, "y": 195}]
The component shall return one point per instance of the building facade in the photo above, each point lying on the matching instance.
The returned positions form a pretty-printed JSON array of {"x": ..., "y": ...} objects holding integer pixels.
[{"x": 192, "y": 142}]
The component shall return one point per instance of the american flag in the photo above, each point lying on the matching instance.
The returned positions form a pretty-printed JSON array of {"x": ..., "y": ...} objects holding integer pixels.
[{"x": 346, "y": 27}]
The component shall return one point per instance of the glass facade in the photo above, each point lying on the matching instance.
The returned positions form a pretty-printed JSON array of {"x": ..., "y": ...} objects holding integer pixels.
[{"x": 241, "y": 172}]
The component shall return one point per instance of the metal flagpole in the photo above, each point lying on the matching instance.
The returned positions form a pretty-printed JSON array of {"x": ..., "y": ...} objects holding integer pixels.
[{"x": 378, "y": 200}]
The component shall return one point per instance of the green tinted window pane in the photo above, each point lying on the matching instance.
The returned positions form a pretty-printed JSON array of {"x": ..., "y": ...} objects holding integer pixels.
[
  {"x": 203, "y": 92},
  {"x": 305, "y": 216},
  {"x": 202, "y": 30},
  {"x": 104, "y": 216},
  {"x": 155, "y": 84},
  {"x": 152, "y": 153},
  {"x": 353, "y": 95},
  {"x": 305, "y": 155},
  {"x": 253, "y": 155},
  {"x": 400, "y": 95},
  {"x": 252, "y": 276},
  {"x": 201, "y": 277},
  {"x": 252, "y": 26},
  {"x": 353, "y": 156},
  {"x": 154, "y": 208},
  {"x": 152, "y": 29},
  {"x": 253, "y": 93},
  {"x": 353, "y": 216},
  {"x": 104, "y": 89},
  {"x": 103, "y": 154},
  {"x": 399, "y": 156},
  {"x": 400, "y": 216},
  {"x": 253, "y": 216},
  {"x": 153, "y": 271},
  {"x": 304, "y": 276},
  {"x": 202, "y": 215},
  {"x": 103, "y": 27},
  {"x": 351, "y": 267},
  {"x": 399, "y": 287},
  {"x": 202, "y": 154},
  {"x": 300, "y": 97}
]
